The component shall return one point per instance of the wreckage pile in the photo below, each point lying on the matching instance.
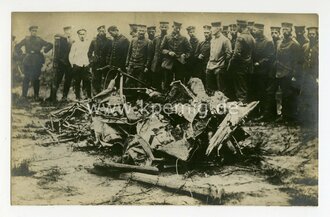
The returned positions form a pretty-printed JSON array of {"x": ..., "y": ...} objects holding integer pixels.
[{"x": 151, "y": 131}]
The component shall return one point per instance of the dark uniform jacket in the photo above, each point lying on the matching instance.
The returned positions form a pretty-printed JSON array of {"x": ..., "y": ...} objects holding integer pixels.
[
  {"x": 176, "y": 43},
  {"x": 301, "y": 40},
  {"x": 244, "y": 48},
  {"x": 98, "y": 51},
  {"x": 194, "y": 43},
  {"x": 264, "y": 54},
  {"x": 118, "y": 53},
  {"x": 139, "y": 53},
  {"x": 287, "y": 58},
  {"x": 203, "y": 48},
  {"x": 33, "y": 46},
  {"x": 62, "y": 49},
  {"x": 157, "y": 54},
  {"x": 311, "y": 59}
]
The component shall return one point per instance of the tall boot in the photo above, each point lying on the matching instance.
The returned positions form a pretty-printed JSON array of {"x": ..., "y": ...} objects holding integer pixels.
[{"x": 36, "y": 87}]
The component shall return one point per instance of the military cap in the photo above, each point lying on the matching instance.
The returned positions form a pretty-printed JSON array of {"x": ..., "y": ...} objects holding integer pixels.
[
  {"x": 151, "y": 28},
  {"x": 287, "y": 25},
  {"x": 299, "y": 28},
  {"x": 313, "y": 28},
  {"x": 250, "y": 23},
  {"x": 216, "y": 24},
  {"x": 241, "y": 22},
  {"x": 133, "y": 26},
  {"x": 259, "y": 26},
  {"x": 67, "y": 27},
  {"x": 142, "y": 26},
  {"x": 207, "y": 27},
  {"x": 33, "y": 27},
  {"x": 100, "y": 27},
  {"x": 275, "y": 28},
  {"x": 163, "y": 23},
  {"x": 177, "y": 24},
  {"x": 112, "y": 28},
  {"x": 81, "y": 30},
  {"x": 190, "y": 28},
  {"x": 225, "y": 28}
]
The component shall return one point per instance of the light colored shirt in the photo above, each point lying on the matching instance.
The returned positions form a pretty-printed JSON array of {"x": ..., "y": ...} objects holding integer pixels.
[
  {"x": 78, "y": 53},
  {"x": 220, "y": 50}
]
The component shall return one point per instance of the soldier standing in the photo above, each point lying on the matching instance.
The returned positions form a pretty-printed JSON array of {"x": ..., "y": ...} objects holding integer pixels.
[
  {"x": 262, "y": 61},
  {"x": 309, "y": 93},
  {"x": 176, "y": 49},
  {"x": 192, "y": 61},
  {"x": 220, "y": 52},
  {"x": 300, "y": 35},
  {"x": 287, "y": 60},
  {"x": 97, "y": 55},
  {"x": 157, "y": 72},
  {"x": 202, "y": 53},
  {"x": 62, "y": 65},
  {"x": 35, "y": 47},
  {"x": 139, "y": 57},
  {"x": 241, "y": 62},
  {"x": 133, "y": 30},
  {"x": 233, "y": 35},
  {"x": 117, "y": 55},
  {"x": 151, "y": 31},
  {"x": 80, "y": 64}
]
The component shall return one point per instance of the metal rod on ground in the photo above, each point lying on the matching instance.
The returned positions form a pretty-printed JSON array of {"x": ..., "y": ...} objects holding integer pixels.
[{"x": 126, "y": 167}]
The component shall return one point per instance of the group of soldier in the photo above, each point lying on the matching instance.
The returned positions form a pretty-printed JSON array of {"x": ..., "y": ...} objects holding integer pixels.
[{"x": 238, "y": 60}]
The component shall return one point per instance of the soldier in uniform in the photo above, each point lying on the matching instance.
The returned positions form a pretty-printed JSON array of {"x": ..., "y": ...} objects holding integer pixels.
[
  {"x": 62, "y": 65},
  {"x": 133, "y": 30},
  {"x": 151, "y": 31},
  {"x": 220, "y": 52},
  {"x": 176, "y": 49},
  {"x": 225, "y": 31},
  {"x": 241, "y": 62},
  {"x": 250, "y": 25},
  {"x": 35, "y": 47},
  {"x": 309, "y": 92},
  {"x": 262, "y": 61},
  {"x": 275, "y": 32},
  {"x": 192, "y": 61},
  {"x": 300, "y": 35},
  {"x": 97, "y": 55},
  {"x": 117, "y": 54},
  {"x": 202, "y": 53},
  {"x": 287, "y": 60},
  {"x": 233, "y": 35},
  {"x": 80, "y": 64},
  {"x": 157, "y": 72},
  {"x": 139, "y": 57}
]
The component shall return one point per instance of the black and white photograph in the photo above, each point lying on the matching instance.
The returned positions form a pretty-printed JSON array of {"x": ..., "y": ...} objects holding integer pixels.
[{"x": 164, "y": 108}]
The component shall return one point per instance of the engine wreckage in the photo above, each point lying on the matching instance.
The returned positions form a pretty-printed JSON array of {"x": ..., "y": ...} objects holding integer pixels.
[{"x": 147, "y": 132}]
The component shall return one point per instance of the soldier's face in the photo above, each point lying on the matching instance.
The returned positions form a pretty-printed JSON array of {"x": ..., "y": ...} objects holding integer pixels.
[
  {"x": 34, "y": 32},
  {"x": 163, "y": 28},
  {"x": 233, "y": 29},
  {"x": 133, "y": 33},
  {"x": 207, "y": 34},
  {"x": 141, "y": 33},
  {"x": 82, "y": 35},
  {"x": 101, "y": 32},
  {"x": 300, "y": 33},
  {"x": 67, "y": 32},
  {"x": 176, "y": 29},
  {"x": 286, "y": 31},
  {"x": 275, "y": 34},
  {"x": 151, "y": 32},
  {"x": 191, "y": 33},
  {"x": 215, "y": 30},
  {"x": 312, "y": 35},
  {"x": 113, "y": 33}
]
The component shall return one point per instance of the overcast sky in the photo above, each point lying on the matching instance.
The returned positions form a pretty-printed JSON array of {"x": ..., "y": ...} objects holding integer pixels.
[{"x": 51, "y": 23}]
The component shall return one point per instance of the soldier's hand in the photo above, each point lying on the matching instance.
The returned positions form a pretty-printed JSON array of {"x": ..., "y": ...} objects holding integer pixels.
[
  {"x": 293, "y": 79},
  {"x": 183, "y": 55},
  {"x": 256, "y": 64},
  {"x": 145, "y": 69},
  {"x": 317, "y": 81},
  {"x": 171, "y": 53},
  {"x": 200, "y": 56}
]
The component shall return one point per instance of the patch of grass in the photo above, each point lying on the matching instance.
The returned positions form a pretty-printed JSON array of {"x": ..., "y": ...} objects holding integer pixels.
[
  {"x": 300, "y": 199},
  {"x": 52, "y": 175},
  {"x": 23, "y": 169}
]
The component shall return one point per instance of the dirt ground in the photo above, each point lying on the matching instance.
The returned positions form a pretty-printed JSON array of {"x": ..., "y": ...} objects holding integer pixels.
[{"x": 59, "y": 174}]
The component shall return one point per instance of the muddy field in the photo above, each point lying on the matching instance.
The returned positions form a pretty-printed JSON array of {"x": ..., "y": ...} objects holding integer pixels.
[{"x": 286, "y": 174}]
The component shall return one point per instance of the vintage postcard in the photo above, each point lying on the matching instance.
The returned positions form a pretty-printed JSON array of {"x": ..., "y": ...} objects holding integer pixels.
[{"x": 164, "y": 108}]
